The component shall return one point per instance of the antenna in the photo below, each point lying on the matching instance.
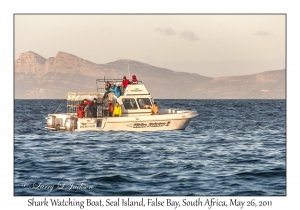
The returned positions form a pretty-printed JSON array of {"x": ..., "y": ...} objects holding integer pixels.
[
  {"x": 128, "y": 72},
  {"x": 104, "y": 80}
]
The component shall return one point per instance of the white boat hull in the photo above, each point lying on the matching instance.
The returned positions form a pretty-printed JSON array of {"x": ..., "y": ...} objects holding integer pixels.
[
  {"x": 172, "y": 121},
  {"x": 165, "y": 121},
  {"x": 155, "y": 125}
]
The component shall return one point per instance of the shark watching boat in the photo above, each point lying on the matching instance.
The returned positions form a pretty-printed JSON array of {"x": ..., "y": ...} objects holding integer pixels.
[{"x": 135, "y": 103}]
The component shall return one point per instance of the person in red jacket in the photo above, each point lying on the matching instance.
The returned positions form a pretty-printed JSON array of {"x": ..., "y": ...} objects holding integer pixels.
[
  {"x": 134, "y": 80},
  {"x": 125, "y": 83},
  {"x": 81, "y": 107}
]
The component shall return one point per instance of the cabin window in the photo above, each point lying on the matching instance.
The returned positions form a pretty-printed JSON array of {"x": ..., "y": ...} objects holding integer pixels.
[
  {"x": 144, "y": 103},
  {"x": 129, "y": 103}
]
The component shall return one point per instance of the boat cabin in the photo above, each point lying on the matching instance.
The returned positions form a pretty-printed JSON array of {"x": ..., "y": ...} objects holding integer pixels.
[{"x": 136, "y": 99}]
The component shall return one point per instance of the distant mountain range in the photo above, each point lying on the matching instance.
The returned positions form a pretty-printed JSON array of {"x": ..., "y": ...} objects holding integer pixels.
[{"x": 39, "y": 78}]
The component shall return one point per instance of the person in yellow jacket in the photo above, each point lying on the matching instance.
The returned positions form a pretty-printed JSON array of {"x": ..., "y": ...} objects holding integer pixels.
[
  {"x": 117, "y": 110},
  {"x": 154, "y": 109}
]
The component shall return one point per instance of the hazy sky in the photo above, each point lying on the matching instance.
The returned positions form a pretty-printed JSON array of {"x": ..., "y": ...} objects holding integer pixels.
[{"x": 210, "y": 45}]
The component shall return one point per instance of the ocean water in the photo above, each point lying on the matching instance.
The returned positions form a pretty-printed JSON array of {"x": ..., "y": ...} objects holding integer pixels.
[{"x": 233, "y": 148}]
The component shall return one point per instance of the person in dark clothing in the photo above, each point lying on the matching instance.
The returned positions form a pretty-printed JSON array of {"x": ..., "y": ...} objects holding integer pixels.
[
  {"x": 93, "y": 107},
  {"x": 105, "y": 107},
  {"x": 107, "y": 86}
]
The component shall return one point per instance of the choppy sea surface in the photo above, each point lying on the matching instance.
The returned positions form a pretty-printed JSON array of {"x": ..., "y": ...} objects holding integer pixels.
[{"x": 233, "y": 148}]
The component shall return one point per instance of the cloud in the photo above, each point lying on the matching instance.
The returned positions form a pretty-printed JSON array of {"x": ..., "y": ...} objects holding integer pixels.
[
  {"x": 262, "y": 33},
  {"x": 167, "y": 31},
  {"x": 189, "y": 36}
]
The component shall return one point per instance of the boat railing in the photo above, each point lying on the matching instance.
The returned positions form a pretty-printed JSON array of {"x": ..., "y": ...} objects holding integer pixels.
[
  {"x": 100, "y": 83},
  {"x": 73, "y": 99}
]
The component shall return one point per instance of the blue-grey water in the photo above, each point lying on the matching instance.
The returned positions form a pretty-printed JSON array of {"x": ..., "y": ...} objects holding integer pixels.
[{"x": 234, "y": 147}]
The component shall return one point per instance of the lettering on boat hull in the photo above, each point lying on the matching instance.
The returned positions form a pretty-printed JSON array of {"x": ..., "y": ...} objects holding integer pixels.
[
  {"x": 152, "y": 124},
  {"x": 88, "y": 126}
]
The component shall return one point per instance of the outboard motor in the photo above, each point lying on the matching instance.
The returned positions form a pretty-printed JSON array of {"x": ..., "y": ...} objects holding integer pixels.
[
  {"x": 70, "y": 124},
  {"x": 51, "y": 121},
  {"x": 59, "y": 124}
]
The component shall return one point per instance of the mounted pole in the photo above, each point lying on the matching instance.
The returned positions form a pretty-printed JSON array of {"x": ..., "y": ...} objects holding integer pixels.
[
  {"x": 128, "y": 72},
  {"x": 102, "y": 97},
  {"x": 104, "y": 80}
]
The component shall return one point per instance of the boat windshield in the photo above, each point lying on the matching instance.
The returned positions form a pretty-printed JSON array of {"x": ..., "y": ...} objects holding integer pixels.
[
  {"x": 144, "y": 103},
  {"x": 129, "y": 103}
]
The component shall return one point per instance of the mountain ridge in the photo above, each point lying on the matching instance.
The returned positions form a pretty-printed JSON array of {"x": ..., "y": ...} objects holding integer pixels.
[{"x": 38, "y": 77}]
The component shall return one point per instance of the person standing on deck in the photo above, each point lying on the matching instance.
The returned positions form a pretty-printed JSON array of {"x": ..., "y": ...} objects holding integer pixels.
[
  {"x": 87, "y": 110},
  {"x": 125, "y": 83},
  {"x": 154, "y": 109},
  {"x": 107, "y": 86},
  {"x": 93, "y": 107},
  {"x": 117, "y": 110},
  {"x": 106, "y": 107},
  {"x": 81, "y": 108},
  {"x": 110, "y": 108}
]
